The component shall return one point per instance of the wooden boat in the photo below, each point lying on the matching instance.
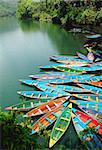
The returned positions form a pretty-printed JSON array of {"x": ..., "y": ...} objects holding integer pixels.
[
  {"x": 27, "y": 105},
  {"x": 48, "y": 119},
  {"x": 90, "y": 68},
  {"x": 67, "y": 88},
  {"x": 73, "y": 62},
  {"x": 82, "y": 56},
  {"x": 93, "y": 77},
  {"x": 46, "y": 77},
  {"x": 95, "y": 83},
  {"x": 88, "y": 120},
  {"x": 69, "y": 59},
  {"x": 93, "y": 113},
  {"x": 50, "y": 66},
  {"x": 89, "y": 97},
  {"x": 93, "y": 36},
  {"x": 64, "y": 69},
  {"x": 90, "y": 138},
  {"x": 60, "y": 125},
  {"x": 40, "y": 94},
  {"x": 37, "y": 82},
  {"x": 92, "y": 105},
  {"x": 59, "y": 57},
  {"x": 48, "y": 106},
  {"x": 93, "y": 89}
]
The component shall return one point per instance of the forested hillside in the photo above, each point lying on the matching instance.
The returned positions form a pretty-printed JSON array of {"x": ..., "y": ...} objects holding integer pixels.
[{"x": 7, "y": 7}]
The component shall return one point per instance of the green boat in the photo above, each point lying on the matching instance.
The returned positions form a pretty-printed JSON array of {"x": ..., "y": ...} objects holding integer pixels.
[
  {"x": 61, "y": 125},
  {"x": 27, "y": 105},
  {"x": 65, "y": 69}
]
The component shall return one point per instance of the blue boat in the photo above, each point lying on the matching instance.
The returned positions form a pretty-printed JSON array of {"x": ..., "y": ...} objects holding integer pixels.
[
  {"x": 40, "y": 94},
  {"x": 50, "y": 66},
  {"x": 93, "y": 89},
  {"x": 67, "y": 58},
  {"x": 93, "y": 36},
  {"x": 82, "y": 56},
  {"x": 92, "y": 105},
  {"x": 65, "y": 88},
  {"x": 88, "y": 97}
]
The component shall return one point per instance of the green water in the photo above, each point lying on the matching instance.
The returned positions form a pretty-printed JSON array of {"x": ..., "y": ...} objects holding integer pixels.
[{"x": 23, "y": 47}]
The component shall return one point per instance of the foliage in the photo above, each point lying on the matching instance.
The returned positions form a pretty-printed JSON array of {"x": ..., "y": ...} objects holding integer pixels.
[
  {"x": 47, "y": 10},
  {"x": 7, "y": 8}
]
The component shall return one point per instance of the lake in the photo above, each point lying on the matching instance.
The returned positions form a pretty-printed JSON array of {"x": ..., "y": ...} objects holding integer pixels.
[{"x": 26, "y": 45}]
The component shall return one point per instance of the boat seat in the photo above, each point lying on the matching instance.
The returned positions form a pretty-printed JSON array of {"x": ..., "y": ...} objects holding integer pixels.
[
  {"x": 66, "y": 119},
  {"x": 88, "y": 121},
  {"x": 49, "y": 120},
  {"x": 55, "y": 114},
  {"x": 59, "y": 129}
]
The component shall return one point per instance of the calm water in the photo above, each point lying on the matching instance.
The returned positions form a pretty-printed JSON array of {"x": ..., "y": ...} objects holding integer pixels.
[{"x": 23, "y": 47}]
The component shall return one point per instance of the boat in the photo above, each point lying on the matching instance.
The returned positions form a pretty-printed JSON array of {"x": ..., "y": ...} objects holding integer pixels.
[
  {"x": 95, "y": 83},
  {"x": 73, "y": 62},
  {"x": 41, "y": 95},
  {"x": 92, "y": 105},
  {"x": 96, "y": 78},
  {"x": 37, "y": 82},
  {"x": 88, "y": 120},
  {"x": 91, "y": 139},
  {"x": 66, "y": 88},
  {"x": 88, "y": 68},
  {"x": 93, "y": 89},
  {"x": 60, "y": 125},
  {"x": 47, "y": 106},
  {"x": 48, "y": 119},
  {"x": 64, "y": 69},
  {"x": 46, "y": 77},
  {"x": 82, "y": 56},
  {"x": 59, "y": 57},
  {"x": 93, "y": 113},
  {"x": 93, "y": 36},
  {"x": 88, "y": 97},
  {"x": 50, "y": 66},
  {"x": 67, "y": 58},
  {"x": 27, "y": 105}
]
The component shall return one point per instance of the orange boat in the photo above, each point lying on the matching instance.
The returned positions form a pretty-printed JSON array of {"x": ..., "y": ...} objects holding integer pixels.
[
  {"x": 88, "y": 120},
  {"x": 47, "y": 119},
  {"x": 48, "y": 106}
]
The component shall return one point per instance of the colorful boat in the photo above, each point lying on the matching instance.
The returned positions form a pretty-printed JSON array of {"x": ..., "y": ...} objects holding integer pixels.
[
  {"x": 37, "y": 82},
  {"x": 73, "y": 62},
  {"x": 88, "y": 120},
  {"x": 92, "y": 105},
  {"x": 27, "y": 105},
  {"x": 50, "y": 66},
  {"x": 64, "y": 69},
  {"x": 67, "y": 58},
  {"x": 89, "y": 68},
  {"x": 46, "y": 77},
  {"x": 88, "y": 97},
  {"x": 60, "y": 125},
  {"x": 48, "y": 119},
  {"x": 66, "y": 88},
  {"x": 60, "y": 76},
  {"x": 59, "y": 57},
  {"x": 42, "y": 95},
  {"x": 48, "y": 106},
  {"x": 93, "y": 89},
  {"x": 82, "y": 56},
  {"x": 93, "y": 36},
  {"x": 93, "y": 113},
  {"x": 92, "y": 140}
]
